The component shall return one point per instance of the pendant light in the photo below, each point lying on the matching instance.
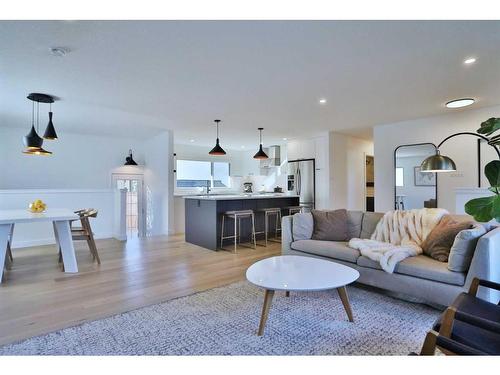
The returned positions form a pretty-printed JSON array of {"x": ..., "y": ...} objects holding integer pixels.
[
  {"x": 217, "y": 150},
  {"x": 260, "y": 154},
  {"x": 33, "y": 141},
  {"x": 129, "y": 160},
  {"x": 50, "y": 131}
]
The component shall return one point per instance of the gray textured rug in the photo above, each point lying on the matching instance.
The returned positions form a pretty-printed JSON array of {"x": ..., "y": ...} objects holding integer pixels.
[{"x": 223, "y": 321}]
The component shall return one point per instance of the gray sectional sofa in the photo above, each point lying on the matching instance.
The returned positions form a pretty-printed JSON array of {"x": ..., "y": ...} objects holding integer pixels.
[{"x": 421, "y": 277}]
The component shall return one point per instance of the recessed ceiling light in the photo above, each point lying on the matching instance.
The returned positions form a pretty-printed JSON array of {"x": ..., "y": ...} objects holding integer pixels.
[
  {"x": 322, "y": 101},
  {"x": 458, "y": 103},
  {"x": 242, "y": 146},
  {"x": 470, "y": 60},
  {"x": 285, "y": 139},
  {"x": 191, "y": 140}
]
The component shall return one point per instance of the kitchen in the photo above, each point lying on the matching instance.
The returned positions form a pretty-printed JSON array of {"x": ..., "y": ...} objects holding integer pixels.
[{"x": 245, "y": 178}]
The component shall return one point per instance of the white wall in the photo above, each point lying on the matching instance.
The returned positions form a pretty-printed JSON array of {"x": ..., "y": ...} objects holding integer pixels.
[
  {"x": 158, "y": 178},
  {"x": 462, "y": 149},
  {"x": 78, "y": 161},
  {"x": 86, "y": 162},
  {"x": 347, "y": 171}
]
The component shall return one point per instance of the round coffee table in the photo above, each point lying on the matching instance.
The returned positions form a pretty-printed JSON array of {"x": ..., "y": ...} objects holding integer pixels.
[{"x": 299, "y": 274}]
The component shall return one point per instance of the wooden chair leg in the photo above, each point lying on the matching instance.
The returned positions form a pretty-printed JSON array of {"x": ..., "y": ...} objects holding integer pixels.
[
  {"x": 429, "y": 347},
  {"x": 447, "y": 322}
]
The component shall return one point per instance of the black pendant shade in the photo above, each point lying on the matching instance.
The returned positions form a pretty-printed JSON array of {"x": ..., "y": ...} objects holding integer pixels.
[
  {"x": 50, "y": 132},
  {"x": 217, "y": 150},
  {"x": 129, "y": 160},
  {"x": 32, "y": 140},
  {"x": 260, "y": 154}
]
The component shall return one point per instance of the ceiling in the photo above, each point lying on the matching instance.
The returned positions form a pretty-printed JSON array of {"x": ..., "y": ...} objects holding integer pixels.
[{"x": 139, "y": 77}]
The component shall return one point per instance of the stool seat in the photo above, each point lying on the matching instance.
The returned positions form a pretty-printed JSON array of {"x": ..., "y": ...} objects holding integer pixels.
[
  {"x": 293, "y": 209},
  {"x": 270, "y": 209},
  {"x": 239, "y": 213}
]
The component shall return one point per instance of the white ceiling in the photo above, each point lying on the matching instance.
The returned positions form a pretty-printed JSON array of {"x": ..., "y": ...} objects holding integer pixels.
[{"x": 136, "y": 77}]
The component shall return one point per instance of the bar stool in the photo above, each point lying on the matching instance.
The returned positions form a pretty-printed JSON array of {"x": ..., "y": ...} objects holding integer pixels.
[
  {"x": 267, "y": 213},
  {"x": 237, "y": 216},
  {"x": 293, "y": 210}
]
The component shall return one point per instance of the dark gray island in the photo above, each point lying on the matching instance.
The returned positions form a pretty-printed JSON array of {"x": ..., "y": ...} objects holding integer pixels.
[{"x": 204, "y": 215}]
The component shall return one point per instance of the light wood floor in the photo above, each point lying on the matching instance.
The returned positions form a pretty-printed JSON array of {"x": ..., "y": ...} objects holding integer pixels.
[{"x": 38, "y": 298}]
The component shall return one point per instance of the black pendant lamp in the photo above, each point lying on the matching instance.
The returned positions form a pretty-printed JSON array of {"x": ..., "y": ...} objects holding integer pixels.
[
  {"x": 32, "y": 141},
  {"x": 260, "y": 154},
  {"x": 129, "y": 160},
  {"x": 217, "y": 150},
  {"x": 50, "y": 131}
]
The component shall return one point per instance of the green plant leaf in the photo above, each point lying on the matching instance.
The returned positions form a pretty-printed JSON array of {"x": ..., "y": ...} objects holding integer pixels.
[
  {"x": 481, "y": 208},
  {"x": 493, "y": 189},
  {"x": 489, "y": 126},
  {"x": 492, "y": 172},
  {"x": 495, "y": 209}
]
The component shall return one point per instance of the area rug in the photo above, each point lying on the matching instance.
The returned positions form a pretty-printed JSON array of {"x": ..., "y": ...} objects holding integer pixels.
[{"x": 223, "y": 321}]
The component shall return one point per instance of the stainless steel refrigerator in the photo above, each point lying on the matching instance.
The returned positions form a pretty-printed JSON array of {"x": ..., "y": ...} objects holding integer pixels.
[{"x": 302, "y": 181}]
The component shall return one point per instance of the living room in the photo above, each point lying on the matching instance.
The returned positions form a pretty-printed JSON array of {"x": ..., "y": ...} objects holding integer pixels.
[{"x": 249, "y": 186}]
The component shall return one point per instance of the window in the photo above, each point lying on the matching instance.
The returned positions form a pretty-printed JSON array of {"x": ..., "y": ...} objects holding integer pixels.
[
  {"x": 197, "y": 173},
  {"x": 400, "y": 177}
]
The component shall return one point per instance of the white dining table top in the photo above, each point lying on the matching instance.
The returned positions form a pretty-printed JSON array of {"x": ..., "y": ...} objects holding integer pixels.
[{"x": 26, "y": 216}]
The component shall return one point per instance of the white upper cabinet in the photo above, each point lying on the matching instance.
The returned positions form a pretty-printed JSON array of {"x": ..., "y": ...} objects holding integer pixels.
[{"x": 301, "y": 149}]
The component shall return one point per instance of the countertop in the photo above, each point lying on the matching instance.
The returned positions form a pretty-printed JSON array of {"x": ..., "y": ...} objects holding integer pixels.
[{"x": 224, "y": 197}]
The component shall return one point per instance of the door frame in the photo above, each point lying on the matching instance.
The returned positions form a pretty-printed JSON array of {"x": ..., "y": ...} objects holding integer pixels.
[
  {"x": 141, "y": 219},
  {"x": 365, "y": 188}
]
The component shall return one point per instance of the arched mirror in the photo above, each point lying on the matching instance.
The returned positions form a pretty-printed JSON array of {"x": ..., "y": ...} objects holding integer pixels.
[{"x": 413, "y": 188}]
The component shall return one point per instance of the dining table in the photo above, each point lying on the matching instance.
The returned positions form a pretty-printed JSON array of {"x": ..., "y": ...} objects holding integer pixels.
[{"x": 60, "y": 218}]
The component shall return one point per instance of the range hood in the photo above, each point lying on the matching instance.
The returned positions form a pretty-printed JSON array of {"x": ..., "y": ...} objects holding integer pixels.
[{"x": 274, "y": 153}]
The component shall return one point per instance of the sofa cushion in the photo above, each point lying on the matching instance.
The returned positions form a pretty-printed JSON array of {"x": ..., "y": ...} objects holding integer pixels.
[
  {"x": 354, "y": 219},
  {"x": 422, "y": 267},
  {"x": 302, "y": 226},
  {"x": 463, "y": 248},
  {"x": 330, "y": 225},
  {"x": 369, "y": 223},
  {"x": 438, "y": 243},
  {"x": 330, "y": 249}
]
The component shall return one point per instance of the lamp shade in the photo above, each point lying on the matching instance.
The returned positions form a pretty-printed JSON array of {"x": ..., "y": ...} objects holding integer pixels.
[
  {"x": 217, "y": 150},
  {"x": 260, "y": 154},
  {"x": 50, "y": 131},
  {"x": 32, "y": 139},
  {"x": 438, "y": 163}
]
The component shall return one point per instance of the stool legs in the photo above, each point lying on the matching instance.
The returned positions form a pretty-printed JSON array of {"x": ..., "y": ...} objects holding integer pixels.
[
  {"x": 237, "y": 231},
  {"x": 235, "y": 234},
  {"x": 253, "y": 233},
  {"x": 222, "y": 232}
]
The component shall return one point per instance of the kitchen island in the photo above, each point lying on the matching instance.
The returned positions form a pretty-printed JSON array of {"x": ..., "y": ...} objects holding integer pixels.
[{"x": 203, "y": 218}]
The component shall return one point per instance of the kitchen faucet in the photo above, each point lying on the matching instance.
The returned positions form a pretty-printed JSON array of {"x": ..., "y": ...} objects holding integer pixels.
[{"x": 208, "y": 187}]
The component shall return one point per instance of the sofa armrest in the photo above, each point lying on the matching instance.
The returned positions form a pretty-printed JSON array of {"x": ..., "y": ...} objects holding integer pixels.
[
  {"x": 286, "y": 234},
  {"x": 484, "y": 265}
]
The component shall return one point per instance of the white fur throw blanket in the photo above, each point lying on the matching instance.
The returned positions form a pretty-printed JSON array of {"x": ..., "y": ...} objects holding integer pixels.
[{"x": 398, "y": 235}]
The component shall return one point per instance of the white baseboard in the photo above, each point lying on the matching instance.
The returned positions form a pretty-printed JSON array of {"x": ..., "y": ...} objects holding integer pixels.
[{"x": 19, "y": 244}]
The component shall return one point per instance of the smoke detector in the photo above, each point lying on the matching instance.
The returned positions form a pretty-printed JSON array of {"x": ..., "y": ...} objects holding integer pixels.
[{"x": 59, "y": 51}]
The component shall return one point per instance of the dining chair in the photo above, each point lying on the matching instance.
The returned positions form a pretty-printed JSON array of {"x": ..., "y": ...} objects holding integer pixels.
[{"x": 84, "y": 232}]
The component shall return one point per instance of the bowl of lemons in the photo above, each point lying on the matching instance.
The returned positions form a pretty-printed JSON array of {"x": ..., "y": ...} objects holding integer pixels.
[{"x": 37, "y": 206}]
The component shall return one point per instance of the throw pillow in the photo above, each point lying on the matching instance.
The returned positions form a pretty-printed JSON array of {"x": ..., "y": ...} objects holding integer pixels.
[
  {"x": 330, "y": 225},
  {"x": 302, "y": 226},
  {"x": 438, "y": 243},
  {"x": 463, "y": 248}
]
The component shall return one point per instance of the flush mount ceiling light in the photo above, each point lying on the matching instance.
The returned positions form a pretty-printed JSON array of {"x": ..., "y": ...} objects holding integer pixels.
[
  {"x": 459, "y": 103},
  {"x": 285, "y": 139},
  {"x": 191, "y": 140},
  {"x": 322, "y": 101},
  {"x": 470, "y": 60},
  {"x": 260, "y": 154},
  {"x": 217, "y": 150}
]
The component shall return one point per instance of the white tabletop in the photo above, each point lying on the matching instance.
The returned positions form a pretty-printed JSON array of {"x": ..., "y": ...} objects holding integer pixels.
[
  {"x": 26, "y": 216},
  {"x": 299, "y": 273}
]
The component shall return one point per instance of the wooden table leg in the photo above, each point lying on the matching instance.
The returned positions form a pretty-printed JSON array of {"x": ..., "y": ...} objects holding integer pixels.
[
  {"x": 345, "y": 301},
  {"x": 268, "y": 298}
]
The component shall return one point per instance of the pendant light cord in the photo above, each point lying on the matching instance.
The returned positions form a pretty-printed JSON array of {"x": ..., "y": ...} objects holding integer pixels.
[
  {"x": 37, "y": 116},
  {"x": 33, "y": 114}
]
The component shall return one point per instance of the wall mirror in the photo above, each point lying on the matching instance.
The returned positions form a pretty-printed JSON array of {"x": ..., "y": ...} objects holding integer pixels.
[{"x": 413, "y": 188}]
